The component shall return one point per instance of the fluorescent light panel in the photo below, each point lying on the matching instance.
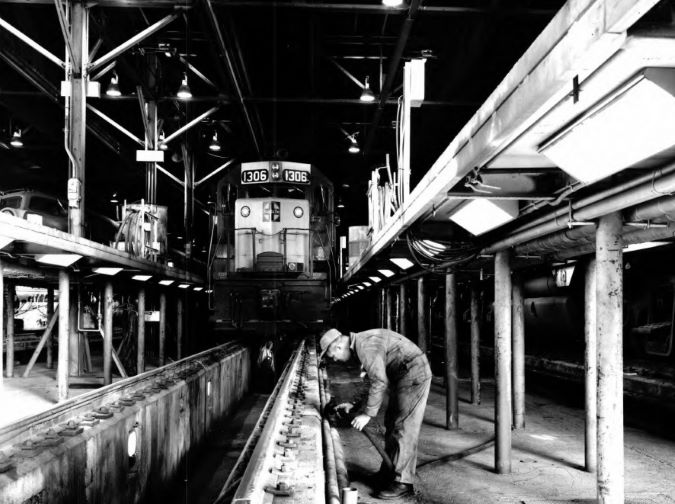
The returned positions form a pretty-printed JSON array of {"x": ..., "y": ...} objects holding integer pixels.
[
  {"x": 142, "y": 278},
  {"x": 481, "y": 215},
  {"x": 105, "y": 270},
  {"x": 375, "y": 279},
  {"x": 5, "y": 240},
  {"x": 165, "y": 282},
  {"x": 401, "y": 262},
  {"x": 387, "y": 273},
  {"x": 367, "y": 284},
  {"x": 58, "y": 259},
  {"x": 198, "y": 289},
  {"x": 631, "y": 124},
  {"x": 643, "y": 246},
  {"x": 183, "y": 286}
]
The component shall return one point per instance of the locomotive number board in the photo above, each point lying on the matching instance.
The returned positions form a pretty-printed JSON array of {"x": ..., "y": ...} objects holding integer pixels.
[
  {"x": 255, "y": 176},
  {"x": 295, "y": 176}
]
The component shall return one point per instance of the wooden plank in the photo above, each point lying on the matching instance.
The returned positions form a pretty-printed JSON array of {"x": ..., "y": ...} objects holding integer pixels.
[
  {"x": 45, "y": 336},
  {"x": 580, "y": 38}
]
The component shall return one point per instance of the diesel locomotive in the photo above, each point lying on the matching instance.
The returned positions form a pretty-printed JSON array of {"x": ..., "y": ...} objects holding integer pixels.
[{"x": 274, "y": 253}]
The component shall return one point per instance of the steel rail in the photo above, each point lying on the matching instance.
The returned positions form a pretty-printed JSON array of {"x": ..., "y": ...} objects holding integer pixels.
[
  {"x": 83, "y": 403},
  {"x": 245, "y": 455},
  {"x": 288, "y": 458}
]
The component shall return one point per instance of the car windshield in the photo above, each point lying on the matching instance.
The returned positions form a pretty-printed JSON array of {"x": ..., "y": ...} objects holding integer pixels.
[
  {"x": 10, "y": 202},
  {"x": 46, "y": 206}
]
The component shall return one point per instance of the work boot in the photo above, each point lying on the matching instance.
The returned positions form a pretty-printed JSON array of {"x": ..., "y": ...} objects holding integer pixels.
[{"x": 395, "y": 490}]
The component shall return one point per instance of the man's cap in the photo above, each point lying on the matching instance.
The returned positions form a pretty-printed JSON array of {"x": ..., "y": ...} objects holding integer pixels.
[{"x": 329, "y": 337}]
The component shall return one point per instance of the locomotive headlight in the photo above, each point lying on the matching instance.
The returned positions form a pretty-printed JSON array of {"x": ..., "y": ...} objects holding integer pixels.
[
  {"x": 245, "y": 211},
  {"x": 298, "y": 212}
]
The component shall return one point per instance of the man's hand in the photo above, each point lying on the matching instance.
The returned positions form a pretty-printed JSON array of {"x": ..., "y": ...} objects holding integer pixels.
[{"x": 360, "y": 421}]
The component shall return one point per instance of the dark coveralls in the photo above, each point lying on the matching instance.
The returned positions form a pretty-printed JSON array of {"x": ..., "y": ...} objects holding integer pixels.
[{"x": 393, "y": 362}]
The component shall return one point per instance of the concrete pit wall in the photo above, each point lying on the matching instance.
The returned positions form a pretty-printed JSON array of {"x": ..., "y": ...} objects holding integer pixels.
[{"x": 94, "y": 466}]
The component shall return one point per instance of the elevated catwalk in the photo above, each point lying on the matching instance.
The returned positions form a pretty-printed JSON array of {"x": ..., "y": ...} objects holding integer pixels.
[{"x": 548, "y": 455}]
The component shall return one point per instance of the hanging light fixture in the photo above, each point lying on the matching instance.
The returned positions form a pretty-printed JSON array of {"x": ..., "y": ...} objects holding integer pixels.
[
  {"x": 367, "y": 94},
  {"x": 114, "y": 88},
  {"x": 184, "y": 92},
  {"x": 16, "y": 139},
  {"x": 160, "y": 141},
  {"x": 392, "y": 3},
  {"x": 340, "y": 203},
  {"x": 214, "y": 146},
  {"x": 114, "y": 199}
]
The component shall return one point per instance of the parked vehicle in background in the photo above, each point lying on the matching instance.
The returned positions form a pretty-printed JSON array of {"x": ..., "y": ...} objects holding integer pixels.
[
  {"x": 35, "y": 206},
  {"x": 48, "y": 210}
]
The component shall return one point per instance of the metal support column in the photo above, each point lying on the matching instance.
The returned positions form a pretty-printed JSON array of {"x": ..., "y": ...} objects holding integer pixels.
[
  {"x": 502, "y": 314},
  {"x": 107, "y": 333},
  {"x": 421, "y": 327},
  {"x": 179, "y": 327},
  {"x": 451, "y": 381},
  {"x": 590, "y": 364},
  {"x": 389, "y": 308},
  {"x": 77, "y": 111},
  {"x": 140, "y": 347},
  {"x": 162, "y": 327},
  {"x": 518, "y": 358},
  {"x": 475, "y": 346},
  {"x": 2, "y": 320},
  {"x": 151, "y": 133},
  {"x": 50, "y": 314},
  {"x": 609, "y": 320},
  {"x": 10, "y": 330},
  {"x": 64, "y": 335},
  {"x": 402, "y": 329}
]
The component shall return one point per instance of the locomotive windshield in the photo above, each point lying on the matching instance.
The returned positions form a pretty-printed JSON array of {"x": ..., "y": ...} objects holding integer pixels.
[{"x": 273, "y": 190}]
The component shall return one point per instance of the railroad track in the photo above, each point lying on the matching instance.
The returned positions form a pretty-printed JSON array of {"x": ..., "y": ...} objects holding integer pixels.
[{"x": 287, "y": 463}]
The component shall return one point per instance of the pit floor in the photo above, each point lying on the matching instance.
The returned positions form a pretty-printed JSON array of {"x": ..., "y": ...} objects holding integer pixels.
[{"x": 547, "y": 455}]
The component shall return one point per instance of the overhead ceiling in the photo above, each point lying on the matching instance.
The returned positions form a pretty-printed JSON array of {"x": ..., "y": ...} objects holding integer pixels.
[{"x": 279, "y": 73}]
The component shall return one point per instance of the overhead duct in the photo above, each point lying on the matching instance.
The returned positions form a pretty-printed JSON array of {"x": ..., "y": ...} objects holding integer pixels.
[
  {"x": 634, "y": 196},
  {"x": 581, "y": 240}
]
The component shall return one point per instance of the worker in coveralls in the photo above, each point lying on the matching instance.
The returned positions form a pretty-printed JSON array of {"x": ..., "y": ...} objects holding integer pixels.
[{"x": 391, "y": 362}]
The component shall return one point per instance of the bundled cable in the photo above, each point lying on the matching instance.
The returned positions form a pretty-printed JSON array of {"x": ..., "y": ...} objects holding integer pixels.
[{"x": 434, "y": 255}]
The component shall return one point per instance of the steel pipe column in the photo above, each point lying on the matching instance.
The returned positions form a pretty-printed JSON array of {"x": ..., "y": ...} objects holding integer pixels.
[
  {"x": 107, "y": 333},
  {"x": 609, "y": 320},
  {"x": 502, "y": 314},
  {"x": 162, "y": 327},
  {"x": 10, "y": 330},
  {"x": 179, "y": 327},
  {"x": 518, "y": 359},
  {"x": 77, "y": 110},
  {"x": 64, "y": 335},
  {"x": 451, "y": 381},
  {"x": 590, "y": 364},
  {"x": 421, "y": 327},
  {"x": 402, "y": 329},
  {"x": 140, "y": 348},
  {"x": 475, "y": 346}
]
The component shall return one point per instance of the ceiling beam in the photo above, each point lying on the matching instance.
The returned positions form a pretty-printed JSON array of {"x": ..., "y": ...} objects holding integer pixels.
[
  {"x": 381, "y": 9},
  {"x": 392, "y": 71},
  {"x": 229, "y": 63}
]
